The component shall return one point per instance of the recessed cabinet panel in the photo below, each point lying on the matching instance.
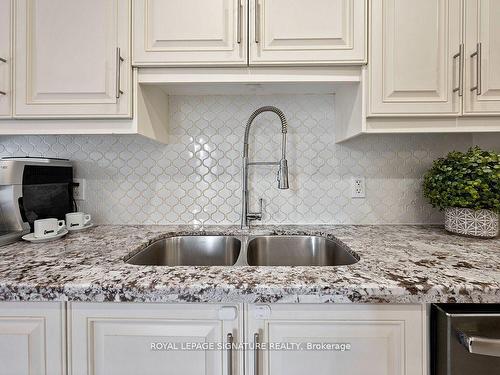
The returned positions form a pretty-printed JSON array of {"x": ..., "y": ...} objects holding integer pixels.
[
  {"x": 190, "y": 32},
  {"x": 151, "y": 339},
  {"x": 299, "y": 32},
  {"x": 124, "y": 347},
  {"x": 68, "y": 58},
  {"x": 340, "y": 339},
  {"x": 374, "y": 348},
  {"x": 5, "y": 58},
  {"x": 22, "y": 343},
  {"x": 482, "y": 69},
  {"x": 412, "y": 67},
  {"x": 31, "y": 339}
]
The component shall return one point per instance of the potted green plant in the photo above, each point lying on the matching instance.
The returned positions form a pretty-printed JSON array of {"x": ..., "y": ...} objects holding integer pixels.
[{"x": 467, "y": 187}]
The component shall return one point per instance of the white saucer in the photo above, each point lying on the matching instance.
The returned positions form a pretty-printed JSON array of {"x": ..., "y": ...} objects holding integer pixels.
[
  {"x": 88, "y": 226},
  {"x": 31, "y": 237}
]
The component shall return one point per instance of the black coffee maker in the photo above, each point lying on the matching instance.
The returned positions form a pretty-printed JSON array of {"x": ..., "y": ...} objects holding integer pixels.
[{"x": 32, "y": 189}]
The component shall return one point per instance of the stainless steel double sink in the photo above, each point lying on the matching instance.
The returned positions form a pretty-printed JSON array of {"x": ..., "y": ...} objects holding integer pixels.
[{"x": 275, "y": 250}]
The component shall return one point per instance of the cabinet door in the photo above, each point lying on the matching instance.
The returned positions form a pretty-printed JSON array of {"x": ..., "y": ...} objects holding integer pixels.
[
  {"x": 190, "y": 32},
  {"x": 412, "y": 68},
  {"x": 302, "y": 32},
  {"x": 482, "y": 70},
  {"x": 68, "y": 58},
  {"x": 337, "y": 339},
  {"x": 32, "y": 338},
  {"x": 5, "y": 59},
  {"x": 153, "y": 339}
]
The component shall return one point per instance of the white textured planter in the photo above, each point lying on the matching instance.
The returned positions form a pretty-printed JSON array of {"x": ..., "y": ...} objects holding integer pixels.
[{"x": 469, "y": 222}]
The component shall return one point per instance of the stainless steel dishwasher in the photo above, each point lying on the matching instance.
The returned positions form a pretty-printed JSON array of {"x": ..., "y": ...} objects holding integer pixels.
[{"x": 465, "y": 339}]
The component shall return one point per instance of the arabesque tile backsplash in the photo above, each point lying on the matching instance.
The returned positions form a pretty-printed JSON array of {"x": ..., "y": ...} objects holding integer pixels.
[{"x": 196, "y": 179}]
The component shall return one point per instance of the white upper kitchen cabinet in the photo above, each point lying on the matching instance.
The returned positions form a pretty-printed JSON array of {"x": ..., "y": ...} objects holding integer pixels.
[
  {"x": 414, "y": 62},
  {"x": 32, "y": 338},
  {"x": 72, "y": 59},
  {"x": 5, "y": 59},
  {"x": 482, "y": 54},
  {"x": 375, "y": 340},
  {"x": 152, "y": 339},
  {"x": 190, "y": 32},
  {"x": 305, "y": 32}
]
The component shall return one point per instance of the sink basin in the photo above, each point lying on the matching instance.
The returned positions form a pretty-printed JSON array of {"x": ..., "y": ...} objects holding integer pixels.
[
  {"x": 297, "y": 251},
  {"x": 190, "y": 251}
]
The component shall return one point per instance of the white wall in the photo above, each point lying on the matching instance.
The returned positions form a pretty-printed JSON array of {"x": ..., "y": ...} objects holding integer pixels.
[
  {"x": 487, "y": 141},
  {"x": 197, "y": 179}
]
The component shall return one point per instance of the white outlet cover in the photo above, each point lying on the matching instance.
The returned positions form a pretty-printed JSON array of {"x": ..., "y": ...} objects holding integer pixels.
[
  {"x": 358, "y": 187},
  {"x": 79, "y": 191}
]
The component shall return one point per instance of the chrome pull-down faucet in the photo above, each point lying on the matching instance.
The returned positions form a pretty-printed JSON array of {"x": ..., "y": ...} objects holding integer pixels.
[{"x": 282, "y": 165}]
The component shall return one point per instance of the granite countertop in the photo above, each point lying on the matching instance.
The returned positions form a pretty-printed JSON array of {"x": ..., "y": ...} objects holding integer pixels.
[{"x": 399, "y": 264}]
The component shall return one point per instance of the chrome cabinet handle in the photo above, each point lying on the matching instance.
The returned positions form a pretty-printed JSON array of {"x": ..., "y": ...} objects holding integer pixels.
[
  {"x": 460, "y": 56},
  {"x": 257, "y": 21},
  {"x": 4, "y": 61},
  {"x": 478, "y": 54},
  {"x": 255, "y": 354},
  {"x": 230, "y": 354},
  {"x": 119, "y": 60},
  {"x": 479, "y": 345},
  {"x": 240, "y": 23}
]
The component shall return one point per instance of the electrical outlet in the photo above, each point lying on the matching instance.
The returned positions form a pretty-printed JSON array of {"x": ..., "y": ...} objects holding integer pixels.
[
  {"x": 358, "y": 187},
  {"x": 79, "y": 189}
]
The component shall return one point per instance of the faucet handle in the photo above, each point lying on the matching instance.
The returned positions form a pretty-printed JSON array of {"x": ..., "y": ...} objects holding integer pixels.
[
  {"x": 257, "y": 215},
  {"x": 261, "y": 207}
]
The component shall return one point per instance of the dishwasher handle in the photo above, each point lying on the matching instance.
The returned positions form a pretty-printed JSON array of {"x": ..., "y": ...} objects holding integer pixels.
[{"x": 479, "y": 344}]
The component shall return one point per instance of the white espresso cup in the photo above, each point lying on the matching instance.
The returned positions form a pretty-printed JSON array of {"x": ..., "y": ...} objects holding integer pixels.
[
  {"x": 76, "y": 220},
  {"x": 48, "y": 227}
]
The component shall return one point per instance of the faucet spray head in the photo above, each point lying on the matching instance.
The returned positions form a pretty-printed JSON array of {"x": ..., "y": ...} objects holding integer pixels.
[{"x": 283, "y": 175}]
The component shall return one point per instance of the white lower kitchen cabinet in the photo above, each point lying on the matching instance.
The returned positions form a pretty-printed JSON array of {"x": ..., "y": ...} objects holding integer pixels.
[
  {"x": 365, "y": 339},
  {"x": 148, "y": 339},
  {"x": 32, "y": 338}
]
